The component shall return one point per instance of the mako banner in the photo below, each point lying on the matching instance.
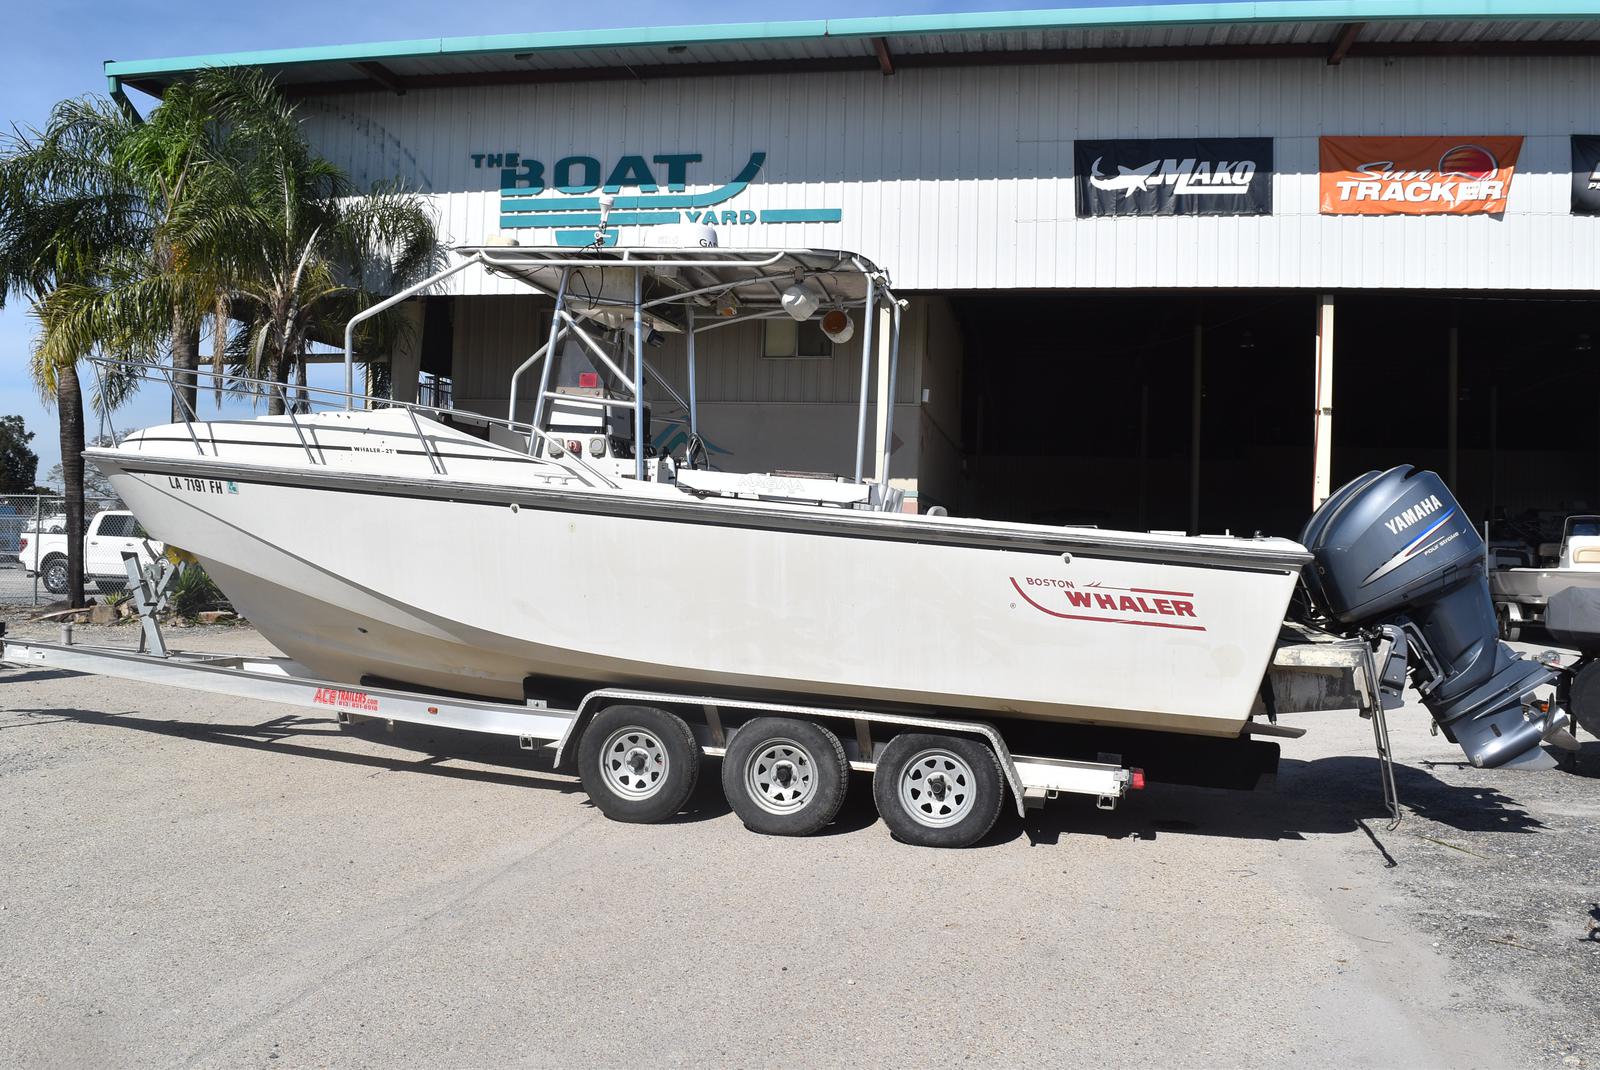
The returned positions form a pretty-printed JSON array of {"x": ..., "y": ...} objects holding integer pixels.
[
  {"x": 1586, "y": 174},
  {"x": 1174, "y": 176},
  {"x": 1417, "y": 175}
]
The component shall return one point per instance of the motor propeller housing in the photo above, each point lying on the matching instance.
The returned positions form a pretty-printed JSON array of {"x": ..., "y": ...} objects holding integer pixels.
[{"x": 1395, "y": 548}]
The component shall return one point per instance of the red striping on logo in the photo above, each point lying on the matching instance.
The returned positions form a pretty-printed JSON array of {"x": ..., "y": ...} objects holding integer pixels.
[
  {"x": 1187, "y": 611},
  {"x": 345, "y": 700}
]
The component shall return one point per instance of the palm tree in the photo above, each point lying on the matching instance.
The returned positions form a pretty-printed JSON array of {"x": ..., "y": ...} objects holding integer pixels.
[
  {"x": 247, "y": 226},
  {"x": 299, "y": 249},
  {"x": 66, "y": 213}
]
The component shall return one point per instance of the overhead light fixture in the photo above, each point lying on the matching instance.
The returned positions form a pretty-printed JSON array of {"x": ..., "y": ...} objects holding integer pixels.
[
  {"x": 838, "y": 326},
  {"x": 727, "y": 305},
  {"x": 800, "y": 302}
]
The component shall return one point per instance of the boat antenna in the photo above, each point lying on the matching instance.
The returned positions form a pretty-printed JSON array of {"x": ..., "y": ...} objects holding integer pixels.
[{"x": 607, "y": 202}]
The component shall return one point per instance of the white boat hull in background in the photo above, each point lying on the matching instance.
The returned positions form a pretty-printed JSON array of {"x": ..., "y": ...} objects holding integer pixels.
[{"x": 369, "y": 563}]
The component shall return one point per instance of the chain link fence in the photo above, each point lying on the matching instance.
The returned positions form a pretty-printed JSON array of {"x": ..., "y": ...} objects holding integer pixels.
[{"x": 33, "y": 546}]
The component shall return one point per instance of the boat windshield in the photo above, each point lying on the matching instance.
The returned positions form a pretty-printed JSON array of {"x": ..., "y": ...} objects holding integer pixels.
[{"x": 1583, "y": 527}]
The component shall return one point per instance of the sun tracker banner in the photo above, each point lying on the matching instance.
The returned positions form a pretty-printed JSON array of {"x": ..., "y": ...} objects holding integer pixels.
[
  {"x": 1174, "y": 176},
  {"x": 1417, "y": 175},
  {"x": 1586, "y": 174}
]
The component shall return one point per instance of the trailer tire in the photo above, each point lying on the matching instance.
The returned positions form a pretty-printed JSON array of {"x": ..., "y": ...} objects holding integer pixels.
[
  {"x": 785, "y": 777},
  {"x": 938, "y": 791},
  {"x": 1585, "y": 696},
  {"x": 53, "y": 573},
  {"x": 638, "y": 764}
]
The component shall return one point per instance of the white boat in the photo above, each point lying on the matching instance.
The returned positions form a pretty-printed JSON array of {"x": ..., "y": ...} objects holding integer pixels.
[
  {"x": 1522, "y": 592},
  {"x": 489, "y": 557}
]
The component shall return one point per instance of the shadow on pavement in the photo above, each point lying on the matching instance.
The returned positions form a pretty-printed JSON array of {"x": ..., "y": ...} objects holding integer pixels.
[
  {"x": 1330, "y": 795},
  {"x": 298, "y": 736}
]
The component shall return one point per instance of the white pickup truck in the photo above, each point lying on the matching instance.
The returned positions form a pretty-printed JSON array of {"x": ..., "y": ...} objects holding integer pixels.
[{"x": 109, "y": 534}]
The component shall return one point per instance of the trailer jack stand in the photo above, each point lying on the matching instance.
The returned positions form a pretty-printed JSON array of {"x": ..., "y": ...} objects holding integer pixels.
[{"x": 148, "y": 587}]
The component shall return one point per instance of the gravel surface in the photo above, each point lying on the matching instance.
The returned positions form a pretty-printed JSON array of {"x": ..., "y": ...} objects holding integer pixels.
[{"x": 200, "y": 881}]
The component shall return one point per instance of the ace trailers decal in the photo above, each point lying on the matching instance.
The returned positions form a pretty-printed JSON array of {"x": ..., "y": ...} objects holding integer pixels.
[{"x": 1174, "y": 176}]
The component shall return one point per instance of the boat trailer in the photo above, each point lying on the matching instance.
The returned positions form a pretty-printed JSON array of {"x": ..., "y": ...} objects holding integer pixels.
[{"x": 1308, "y": 674}]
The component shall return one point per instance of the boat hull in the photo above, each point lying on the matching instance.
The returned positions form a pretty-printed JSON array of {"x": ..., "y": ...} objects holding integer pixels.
[{"x": 472, "y": 587}]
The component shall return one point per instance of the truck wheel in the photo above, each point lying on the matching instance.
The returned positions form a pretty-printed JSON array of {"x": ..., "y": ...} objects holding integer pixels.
[
  {"x": 785, "y": 777},
  {"x": 938, "y": 791},
  {"x": 638, "y": 763},
  {"x": 53, "y": 572}
]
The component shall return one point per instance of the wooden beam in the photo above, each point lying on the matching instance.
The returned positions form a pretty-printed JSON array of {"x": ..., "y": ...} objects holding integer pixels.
[
  {"x": 1343, "y": 40},
  {"x": 880, "y": 45},
  {"x": 383, "y": 76}
]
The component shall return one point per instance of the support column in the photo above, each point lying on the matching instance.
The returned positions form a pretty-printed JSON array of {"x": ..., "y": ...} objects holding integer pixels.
[
  {"x": 1453, "y": 411},
  {"x": 1322, "y": 434},
  {"x": 405, "y": 360},
  {"x": 880, "y": 464},
  {"x": 1195, "y": 407}
]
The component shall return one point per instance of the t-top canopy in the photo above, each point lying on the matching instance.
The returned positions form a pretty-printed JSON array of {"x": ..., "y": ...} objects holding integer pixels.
[{"x": 755, "y": 279}]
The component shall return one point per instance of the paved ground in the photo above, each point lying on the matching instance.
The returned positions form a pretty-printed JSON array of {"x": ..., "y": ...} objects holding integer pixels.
[{"x": 204, "y": 882}]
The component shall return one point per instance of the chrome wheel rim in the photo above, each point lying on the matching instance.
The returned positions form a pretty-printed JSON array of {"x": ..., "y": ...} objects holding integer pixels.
[
  {"x": 55, "y": 579},
  {"x": 780, "y": 776},
  {"x": 937, "y": 787},
  {"x": 634, "y": 763}
]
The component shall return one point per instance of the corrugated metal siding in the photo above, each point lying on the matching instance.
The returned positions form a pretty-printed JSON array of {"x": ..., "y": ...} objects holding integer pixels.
[{"x": 962, "y": 178}]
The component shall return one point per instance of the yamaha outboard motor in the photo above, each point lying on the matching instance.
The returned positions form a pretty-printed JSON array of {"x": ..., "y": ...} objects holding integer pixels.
[{"x": 1393, "y": 548}]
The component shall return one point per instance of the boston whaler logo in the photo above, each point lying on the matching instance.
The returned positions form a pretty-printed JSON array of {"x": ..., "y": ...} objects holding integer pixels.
[
  {"x": 1142, "y": 606},
  {"x": 1428, "y": 509},
  {"x": 1189, "y": 178}
]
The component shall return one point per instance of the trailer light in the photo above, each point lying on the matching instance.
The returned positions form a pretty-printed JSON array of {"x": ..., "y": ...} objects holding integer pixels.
[
  {"x": 433, "y": 709},
  {"x": 1136, "y": 779},
  {"x": 575, "y": 447},
  {"x": 588, "y": 380}
]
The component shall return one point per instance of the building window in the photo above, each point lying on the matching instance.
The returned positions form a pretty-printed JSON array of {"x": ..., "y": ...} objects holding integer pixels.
[{"x": 785, "y": 338}]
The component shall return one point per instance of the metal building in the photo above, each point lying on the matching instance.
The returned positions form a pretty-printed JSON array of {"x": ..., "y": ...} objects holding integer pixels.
[{"x": 1170, "y": 266}]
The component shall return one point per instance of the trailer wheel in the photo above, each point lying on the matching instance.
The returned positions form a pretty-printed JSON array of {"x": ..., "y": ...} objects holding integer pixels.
[
  {"x": 785, "y": 777},
  {"x": 1585, "y": 696},
  {"x": 53, "y": 573},
  {"x": 938, "y": 791},
  {"x": 638, "y": 763}
]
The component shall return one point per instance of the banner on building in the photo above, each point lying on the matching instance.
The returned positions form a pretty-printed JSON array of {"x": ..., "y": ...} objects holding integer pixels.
[
  {"x": 1586, "y": 174},
  {"x": 1175, "y": 176},
  {"x": 1417, "y": 175}
]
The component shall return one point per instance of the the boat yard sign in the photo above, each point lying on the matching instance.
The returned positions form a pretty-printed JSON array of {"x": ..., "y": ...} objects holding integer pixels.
[
  {"x": 1586, "y": 174},
  {"x": 1174, "y": 176},
  {"x": 577, "y": 181}
]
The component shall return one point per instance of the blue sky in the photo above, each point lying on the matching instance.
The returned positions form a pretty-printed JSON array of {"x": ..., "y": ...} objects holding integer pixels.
[{"x": 54, "y": 50}]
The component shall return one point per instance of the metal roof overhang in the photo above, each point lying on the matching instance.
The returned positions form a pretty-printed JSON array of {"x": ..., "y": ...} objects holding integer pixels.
[{"x": 1328, "y": 30}]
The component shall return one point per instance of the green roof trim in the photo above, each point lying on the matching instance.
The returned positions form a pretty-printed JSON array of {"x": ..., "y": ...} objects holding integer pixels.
[{"x": 886, "y": 26}]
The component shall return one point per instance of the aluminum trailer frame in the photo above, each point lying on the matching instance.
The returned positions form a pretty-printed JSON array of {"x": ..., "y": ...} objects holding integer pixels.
[{"x": 1032, "y": 779}]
